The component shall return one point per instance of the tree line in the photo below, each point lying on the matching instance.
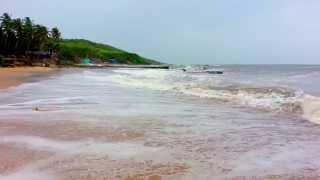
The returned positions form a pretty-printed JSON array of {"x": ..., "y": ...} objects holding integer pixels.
[
  {"x": 23, "y": 42},
  {"x": 21, "y": 36}
]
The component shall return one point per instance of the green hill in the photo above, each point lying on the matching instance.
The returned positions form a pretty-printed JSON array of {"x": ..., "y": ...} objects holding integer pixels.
[
  {"x": 22, "y": 38},
  {"x": 74, "y": 49}
]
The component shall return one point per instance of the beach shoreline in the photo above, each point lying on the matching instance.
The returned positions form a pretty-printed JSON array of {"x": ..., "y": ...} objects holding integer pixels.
[
  {"x": 151, "y": 124},
  {"x": 11, "y": 77}
]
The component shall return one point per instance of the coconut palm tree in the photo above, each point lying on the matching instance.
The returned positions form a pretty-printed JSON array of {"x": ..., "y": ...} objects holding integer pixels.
[
  {"x": 40, "y": 37},
  {"x": 6, "y": 27},
  {"x": 28, "y": 33},
  {"x": 1, "y": 40},
  {"x": 17, "y": 36},
  {"x": 17, "y": 27},
  {"x": 55, "y": 33}
]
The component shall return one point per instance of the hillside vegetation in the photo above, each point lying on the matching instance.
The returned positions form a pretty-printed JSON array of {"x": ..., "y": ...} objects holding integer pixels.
[
  {"x": 18, "y": 36},
  {"x": 24, "y": 42},
  {"x": 80, "y": 48}
]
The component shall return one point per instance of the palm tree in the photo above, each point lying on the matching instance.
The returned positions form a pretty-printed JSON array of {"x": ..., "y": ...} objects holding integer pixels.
[
  {"x": 53, "y": 43},
  {"x": 17, "y": 36},
  {"x": 28, "y": 33},
  {"x": 1, "y": 40},
  {"x": 40, "y": 37},
  {"x": 55, "y": 33},
  {"x": 17, "y": 27},
  {"x": 6, "y": 27}
]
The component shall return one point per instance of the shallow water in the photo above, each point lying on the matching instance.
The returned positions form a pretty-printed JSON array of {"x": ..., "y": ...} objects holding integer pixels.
[{"x": 253, "y": 122}]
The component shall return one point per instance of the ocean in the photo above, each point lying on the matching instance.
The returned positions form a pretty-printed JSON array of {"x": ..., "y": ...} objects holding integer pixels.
[{"x": 252, "y": 122}]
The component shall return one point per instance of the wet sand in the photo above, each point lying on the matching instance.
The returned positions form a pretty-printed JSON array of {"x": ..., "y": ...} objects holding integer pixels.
[
  {"x": 10, "y": 77},
  {"x": 77, "y": 150},
  {"x": 71, "y": 149},
  {"x": 87, "y": 151},
  {"x": 77, "y": 125}
]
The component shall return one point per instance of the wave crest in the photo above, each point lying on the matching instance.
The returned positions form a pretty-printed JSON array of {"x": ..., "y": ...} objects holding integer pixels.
[{"x": 279, "y": 99}]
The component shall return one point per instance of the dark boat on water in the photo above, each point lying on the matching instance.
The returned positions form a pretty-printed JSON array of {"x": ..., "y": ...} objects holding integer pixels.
[{"x": 205, "y": 71}]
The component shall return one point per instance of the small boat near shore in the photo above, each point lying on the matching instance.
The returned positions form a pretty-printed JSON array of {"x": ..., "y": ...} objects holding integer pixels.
[
  {"x": 203, "y": 69},
  {"x": 214, "y": 72},
  {"x": 211, "y": 71}
]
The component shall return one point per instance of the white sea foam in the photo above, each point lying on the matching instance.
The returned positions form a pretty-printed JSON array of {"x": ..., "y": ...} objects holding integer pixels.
[
  {"x": 268, "y": 98},
  {"x": 311, "y": 108},
  {"x": 152, "y": 79},
  {"x": 27, "y": 175},
  {"x": 303, "y": 76},
  {"x": 51, "y": 103},
  {"x": 23, "y": 86},
  {"x": 293, "y": 155},
  {"x": 38, "y": 143},
  {"x": 113, "y": 150},
  {"x": 58, "y": 100}
]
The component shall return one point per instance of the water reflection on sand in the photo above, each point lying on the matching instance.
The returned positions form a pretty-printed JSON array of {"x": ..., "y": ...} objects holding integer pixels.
[{"x": 98, "y": 130}]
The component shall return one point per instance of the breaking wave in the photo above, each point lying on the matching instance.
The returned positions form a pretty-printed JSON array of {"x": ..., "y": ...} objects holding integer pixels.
[
  {"x": 268, "y": 98},
  {"x": 304, "y": 76}
]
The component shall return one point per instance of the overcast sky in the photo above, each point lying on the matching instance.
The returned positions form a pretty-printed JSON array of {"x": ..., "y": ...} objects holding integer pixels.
[{"x": 188, "y": 31}]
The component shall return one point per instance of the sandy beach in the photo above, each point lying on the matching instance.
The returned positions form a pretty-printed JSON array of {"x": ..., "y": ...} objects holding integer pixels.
[
  {"x": 15, "y": 76},
  {"x": 148, "y": 90},
  {"x": 68, "y": 148},
  {"x": 148, "y": 124}
]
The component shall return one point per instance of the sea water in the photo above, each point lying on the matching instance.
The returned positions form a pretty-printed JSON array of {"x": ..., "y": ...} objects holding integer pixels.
[{"x": 257, "y": 121}]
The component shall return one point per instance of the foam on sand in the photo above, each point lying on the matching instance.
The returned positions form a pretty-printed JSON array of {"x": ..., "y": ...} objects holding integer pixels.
[
  {"x": 27, "y": 175},
  {"x": 84, "y": 154},
  {"x": 113, "y": 150}
]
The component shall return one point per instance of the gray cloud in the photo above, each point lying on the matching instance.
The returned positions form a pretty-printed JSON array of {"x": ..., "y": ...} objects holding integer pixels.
[{"x": 180, "y": 31}]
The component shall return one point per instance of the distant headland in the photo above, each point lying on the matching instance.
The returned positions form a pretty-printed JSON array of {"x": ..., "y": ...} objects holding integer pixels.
[{"x": 24, "y": 43}]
